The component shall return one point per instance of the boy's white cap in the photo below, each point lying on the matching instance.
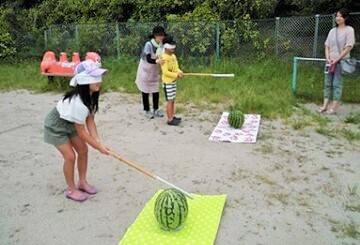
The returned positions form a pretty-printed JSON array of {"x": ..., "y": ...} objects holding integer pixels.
[
  {"x": 169, "y": 42},
  {"x": 87, "y": 72},
  {"x": 169, "y": 46}
]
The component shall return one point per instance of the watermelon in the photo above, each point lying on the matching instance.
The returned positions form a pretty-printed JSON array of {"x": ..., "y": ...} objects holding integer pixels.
[
  {"x": 171, "y": 209},
  {"x": 236, "y": 119}
]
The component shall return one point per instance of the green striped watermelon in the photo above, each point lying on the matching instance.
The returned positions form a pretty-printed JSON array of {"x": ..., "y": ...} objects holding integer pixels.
[
  {"x": 236, "y": 119},
  {"x": 171, "y": 209}
]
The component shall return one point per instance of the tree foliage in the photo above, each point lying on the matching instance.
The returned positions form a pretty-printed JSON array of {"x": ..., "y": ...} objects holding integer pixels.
[
  {"x": 49, "y": 12},
  {"x": 24, "y": 21},
  {"x": 311, "y": 7}
]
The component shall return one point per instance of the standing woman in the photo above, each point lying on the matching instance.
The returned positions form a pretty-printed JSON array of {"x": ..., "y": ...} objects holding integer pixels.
[
  {"x": 148, "y": 73},
  {"x": 338, "y": 44}
]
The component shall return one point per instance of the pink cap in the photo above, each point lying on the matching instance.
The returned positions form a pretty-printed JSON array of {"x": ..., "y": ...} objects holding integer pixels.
[
  {"x": 91, "y": 68},
  {"x": 87, "y": 72}
]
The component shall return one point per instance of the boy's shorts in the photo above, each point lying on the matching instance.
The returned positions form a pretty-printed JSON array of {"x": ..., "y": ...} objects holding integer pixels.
[
  {"x": 58, "y": 131},
  {"x": 170, "y": 90}
]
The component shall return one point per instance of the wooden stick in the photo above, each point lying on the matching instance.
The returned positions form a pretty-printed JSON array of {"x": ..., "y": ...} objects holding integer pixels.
[
  {"x": 209, "y": 74},
  {"x": 197, "y": 74},
  {"x": 133, "y": 165},
  {"x": 148, "y": 173}
]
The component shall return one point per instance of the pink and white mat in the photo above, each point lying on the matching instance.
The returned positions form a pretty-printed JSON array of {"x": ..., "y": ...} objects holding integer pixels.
[{"x": 247, "y": 134}]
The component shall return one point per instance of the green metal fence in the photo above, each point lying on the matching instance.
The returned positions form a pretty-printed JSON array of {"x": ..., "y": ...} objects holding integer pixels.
[
  {"x": 305, "y": 36},
  {"x": 283, "y": 37}
]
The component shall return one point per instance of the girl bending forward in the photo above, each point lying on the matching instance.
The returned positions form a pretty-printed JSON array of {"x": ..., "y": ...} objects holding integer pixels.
[{"x": 70, "y": 126}]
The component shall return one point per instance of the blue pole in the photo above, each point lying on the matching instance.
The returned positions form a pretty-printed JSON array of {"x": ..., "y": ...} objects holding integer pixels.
[
  {"x": 77, "y": 35},
  {"x": 295, "y": 71},
  {"x": 117, "y": 39},
  {"x": 45, "y": 39},
  {"x": 277, "y": 23},
  {"x": 316, "y": 36},
  {"x": 217, "y": 40}
]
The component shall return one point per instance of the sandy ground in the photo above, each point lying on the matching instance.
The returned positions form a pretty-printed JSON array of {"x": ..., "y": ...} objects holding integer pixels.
[{"x": 291, "y": 187}]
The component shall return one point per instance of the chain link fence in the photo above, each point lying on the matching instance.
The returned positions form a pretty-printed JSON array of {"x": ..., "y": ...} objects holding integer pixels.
[
  {"x": 127, "y": 39},
  {"x": 283, "y": 37},
  {"x": 305, "y": 36}
]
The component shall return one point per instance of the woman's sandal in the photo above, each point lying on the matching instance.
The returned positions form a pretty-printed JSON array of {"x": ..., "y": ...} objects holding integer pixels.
[
  {"x": 331, "y": 112},
  {"x": 77, "y": 196},
  {"x": 321, "y": 110},
  {"x": 87, "y": 188}
]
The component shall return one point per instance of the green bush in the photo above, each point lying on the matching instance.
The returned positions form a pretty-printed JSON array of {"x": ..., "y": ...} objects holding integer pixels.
[{"x": 7, "y": 45}]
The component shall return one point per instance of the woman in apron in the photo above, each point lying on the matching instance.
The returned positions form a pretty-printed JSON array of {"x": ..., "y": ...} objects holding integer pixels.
[{"x": 148, "y": 73}]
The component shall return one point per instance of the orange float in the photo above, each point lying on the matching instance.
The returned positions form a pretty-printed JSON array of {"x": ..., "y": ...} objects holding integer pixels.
[{"x": 63, "y": 68}]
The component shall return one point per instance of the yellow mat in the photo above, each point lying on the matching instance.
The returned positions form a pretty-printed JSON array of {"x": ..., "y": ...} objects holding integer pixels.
[{"x": 200, "y": 227}]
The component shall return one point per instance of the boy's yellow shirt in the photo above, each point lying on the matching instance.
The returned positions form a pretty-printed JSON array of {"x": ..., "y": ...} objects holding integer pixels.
[{"x": 170, "y": 68}]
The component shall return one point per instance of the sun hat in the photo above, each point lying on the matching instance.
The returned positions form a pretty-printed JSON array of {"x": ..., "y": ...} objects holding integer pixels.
[{"x": 87, "y": 72}]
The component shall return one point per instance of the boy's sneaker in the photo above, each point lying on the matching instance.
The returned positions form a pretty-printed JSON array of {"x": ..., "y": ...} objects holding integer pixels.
[
  {"x": 158, "y": 113},
  {"x": 177, "y": 118},
  {"x": 173, "y": 122},
  {"x": 149, "y": 114}
]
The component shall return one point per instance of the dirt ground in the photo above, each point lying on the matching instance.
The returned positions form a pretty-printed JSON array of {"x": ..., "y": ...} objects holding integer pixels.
[{"x": 291, "y": 187}]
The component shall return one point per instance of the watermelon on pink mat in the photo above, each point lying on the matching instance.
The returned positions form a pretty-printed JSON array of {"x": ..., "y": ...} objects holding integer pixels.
[
  {"x": 236, "y": 119},
  {"x": 171, "y": 209}
]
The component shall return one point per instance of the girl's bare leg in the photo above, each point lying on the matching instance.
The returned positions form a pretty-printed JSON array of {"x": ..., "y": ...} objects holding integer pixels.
[
  {"x": 68, "y": 154},
  {"x": 81, "y": 149}
]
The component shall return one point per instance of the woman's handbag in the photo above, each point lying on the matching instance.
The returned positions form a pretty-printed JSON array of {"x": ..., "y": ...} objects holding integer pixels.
[{"x": 348, "y": 65}]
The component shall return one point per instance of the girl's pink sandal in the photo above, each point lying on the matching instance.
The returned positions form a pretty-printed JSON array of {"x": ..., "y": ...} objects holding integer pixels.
[
  {"x": 87, "y": 188},
  {"x": 76, "y": 196}
]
